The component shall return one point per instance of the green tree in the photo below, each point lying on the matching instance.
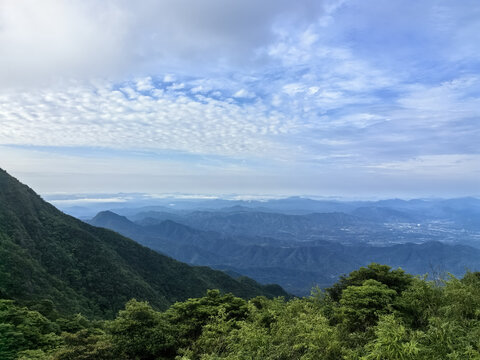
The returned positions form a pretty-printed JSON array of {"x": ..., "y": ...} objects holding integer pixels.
[
  {"x": 22, "y": 329},
  {"x": 189, "y": 317},
  {"x": 141, "y": 333},
  {"x": 361, "y": 306},
  {"x": 393, "y": 341},
  {"x": 87, "y": 344},
  {"x": 396, "y": 279},
  {"x": 417, "y": 304},
  {"x": 274, "y": 329}
]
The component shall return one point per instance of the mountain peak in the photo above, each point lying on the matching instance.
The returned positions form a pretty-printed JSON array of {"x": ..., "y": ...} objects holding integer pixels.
[{"x": 109, "y": 215}]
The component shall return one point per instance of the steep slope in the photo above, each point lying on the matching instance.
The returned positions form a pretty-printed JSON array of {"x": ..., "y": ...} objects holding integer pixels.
[{"x": 45, "y": 254}]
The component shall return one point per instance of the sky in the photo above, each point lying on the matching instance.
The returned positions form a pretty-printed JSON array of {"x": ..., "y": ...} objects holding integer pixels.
[{"x": 347, "y": 98}]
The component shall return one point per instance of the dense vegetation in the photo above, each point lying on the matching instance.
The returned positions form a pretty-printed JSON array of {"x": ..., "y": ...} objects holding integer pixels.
[
  {"x": 47, "y": 255},
  {"x": 373, "y": 313}
]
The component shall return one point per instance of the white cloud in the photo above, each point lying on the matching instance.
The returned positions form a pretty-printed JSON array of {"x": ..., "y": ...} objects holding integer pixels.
[
  {"x": 333, "y": 84},
  {"x": 126, "y": 119},
  {"x": 177, "y": 86},
  {"x": 83, "y": 201},
  {"x": 359, "y": 120},
  {"x": 441, "y": 166},
  {"x": 144, "y": 84},
  {"x": 40, "y": 40},
  {"x": 44, "y": 40},
  {"x": 447, "y": 101},
  {"x": 169, "y": 78},
  {"x": 242, "y": 93}
]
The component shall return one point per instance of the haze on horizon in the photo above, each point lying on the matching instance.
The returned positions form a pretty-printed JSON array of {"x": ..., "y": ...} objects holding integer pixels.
[{"x": 328, "y": 98}]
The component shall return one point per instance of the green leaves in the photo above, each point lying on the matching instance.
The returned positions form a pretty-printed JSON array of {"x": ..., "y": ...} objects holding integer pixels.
[
  {"x": 22, "y": 329},
  {"x": 371, "y": 320},
  {"x": 396, "y": 279},
  {"x": 139, "y": 332},
  {"x": 361, "y": 306},
  {"x": 393, "y": 341}
]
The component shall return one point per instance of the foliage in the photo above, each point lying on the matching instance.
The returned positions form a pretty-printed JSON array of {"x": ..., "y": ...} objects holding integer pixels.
[
  {"x": 373, "y": 319},
  {"x": 86, "y": 344},
  {"x": 22, "y": 329},
  {"x": 139, "y": 332},
  {"x": 396, "y": 279},
  {"x": 360, "y": 306}
]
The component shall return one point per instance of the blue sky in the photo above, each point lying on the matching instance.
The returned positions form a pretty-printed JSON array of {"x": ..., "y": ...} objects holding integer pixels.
[{"x": 334, "y": 98}]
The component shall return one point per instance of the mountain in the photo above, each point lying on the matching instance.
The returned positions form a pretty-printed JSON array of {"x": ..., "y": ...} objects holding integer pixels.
[
  {"x": 382, "y": 215},
  {"x": 263, "y": 224},
  {"x": 461, "y": 213},
  {"x": 295, "y": 265},
  {"x": 45, "y": 254},
  {"x": 456, "y": 210},
  {"x": 299, "y": 268},
  {"x": 118, "y": 223}
]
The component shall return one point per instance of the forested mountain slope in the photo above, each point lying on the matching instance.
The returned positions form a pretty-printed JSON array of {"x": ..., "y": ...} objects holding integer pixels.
[{"x": 45, "y": 254}]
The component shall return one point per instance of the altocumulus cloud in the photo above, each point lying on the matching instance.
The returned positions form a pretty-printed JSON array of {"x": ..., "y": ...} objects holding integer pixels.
[
  {"x": 127, "y": 117},
  {"x": 381, "y": 93}
]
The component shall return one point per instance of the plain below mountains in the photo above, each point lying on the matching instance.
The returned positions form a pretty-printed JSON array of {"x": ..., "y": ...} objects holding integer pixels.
[
  {"x": 291, "y": 250},
  {"x": 47, "y": 255}
]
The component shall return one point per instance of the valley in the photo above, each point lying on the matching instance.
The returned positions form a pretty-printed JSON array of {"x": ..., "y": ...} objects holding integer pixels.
[{"x": 282, "y": 242}]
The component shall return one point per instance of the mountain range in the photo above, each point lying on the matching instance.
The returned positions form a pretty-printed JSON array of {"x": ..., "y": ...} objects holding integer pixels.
[
  {"x": 295, "y": 251},
  {"x": 48, "y": 255}
]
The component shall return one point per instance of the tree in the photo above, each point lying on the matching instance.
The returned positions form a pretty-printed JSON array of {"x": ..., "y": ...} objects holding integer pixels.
[
  {"x": 141, "y": 333},
  {"x": 393, "y": 341},
  {"x": 396, "y": 279},
  {"x": 22, "y": 329},
  {"x": 189, "y": 317},
  {"x": 361, "y": 306},
  {"x": 87, "y": 344}
]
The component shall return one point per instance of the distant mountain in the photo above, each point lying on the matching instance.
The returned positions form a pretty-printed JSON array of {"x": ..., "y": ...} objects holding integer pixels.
[
  {"x": 154, "y": 217},
  {"x": 176, "y": 240},
  {"x": 295, "y": 265},
  {"x": 464, "y": 211},
  {"x": 322, "y": 263},
  {"x": 263, "y": 224},
  {"x": 460, "y": 212},
  {"x": 433, "y": 257},
  {"x": 121, "y": 224},
  {"x": 382, "y": 215},
  {"x": 302, "y": 205},
  {"x": 45, "y": 254}
]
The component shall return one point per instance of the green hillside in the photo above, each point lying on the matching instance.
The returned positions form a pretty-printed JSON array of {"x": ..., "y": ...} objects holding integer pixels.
[
  {"x": 45, "y": 254},
  {"x": 374, "y": 313}
]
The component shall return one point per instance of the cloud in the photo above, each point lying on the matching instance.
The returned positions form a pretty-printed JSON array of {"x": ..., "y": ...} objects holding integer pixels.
[
  {"x": 242, "y": 93},
  {"x": 84, "y": 201},
  {"x": 457, "y": 98},
  {"x": 144, "y": 84},
  {"x": 169, "y": 78},
  {"x": 311, "y": 88},
  {"x": 125, "y": 117},
  {"x": 436, "y": 165},
  {"x": 41, "y": 41}
]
